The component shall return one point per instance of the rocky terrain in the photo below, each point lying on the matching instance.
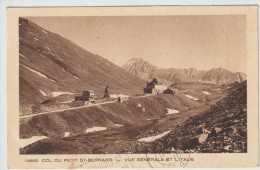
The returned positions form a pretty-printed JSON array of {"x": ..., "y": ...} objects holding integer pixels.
[
  {"x": 50, "y": 65},
  {"x": 222, "y": 128},
  {"x": 143, "y": 69}
]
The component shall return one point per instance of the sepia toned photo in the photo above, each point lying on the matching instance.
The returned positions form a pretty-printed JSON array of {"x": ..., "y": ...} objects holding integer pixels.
[
  {"x": 178, "y": 84},
  {"x": 173, "y": 85}
]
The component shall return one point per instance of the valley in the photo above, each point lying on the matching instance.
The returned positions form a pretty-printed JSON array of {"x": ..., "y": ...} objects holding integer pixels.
[{"x": 127, "y": 124}]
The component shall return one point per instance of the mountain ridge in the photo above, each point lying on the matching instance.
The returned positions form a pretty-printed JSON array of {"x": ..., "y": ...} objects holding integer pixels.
[{"x": 145, "y": 70}]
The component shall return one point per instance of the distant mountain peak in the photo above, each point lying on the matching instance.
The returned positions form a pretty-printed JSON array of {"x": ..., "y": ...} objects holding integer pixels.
[
  {"x": 145, "y": 70},
  {"x": 139, "y": 68}
]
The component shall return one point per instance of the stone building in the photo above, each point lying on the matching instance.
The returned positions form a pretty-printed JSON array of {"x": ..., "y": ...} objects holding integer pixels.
[
  {"x": 154, "y": 87},
  {"x": 87, "y": 95}
]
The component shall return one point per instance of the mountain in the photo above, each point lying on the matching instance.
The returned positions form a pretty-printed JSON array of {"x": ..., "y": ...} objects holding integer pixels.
[
  {"x": 50, "y": 65},
  {"x": 143, "y": 69},
  {"x": 140, "y": 68}
]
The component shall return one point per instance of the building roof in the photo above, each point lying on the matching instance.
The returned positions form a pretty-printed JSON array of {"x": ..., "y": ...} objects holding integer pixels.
[
  {"x": 152, "y": 83},
  {"x": 89, "y": 90}
]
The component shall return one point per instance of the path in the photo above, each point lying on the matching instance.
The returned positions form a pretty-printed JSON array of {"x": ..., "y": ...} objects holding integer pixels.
[
  {"x": 74, "y": 108},
  {"x": 71, "y": 108}
]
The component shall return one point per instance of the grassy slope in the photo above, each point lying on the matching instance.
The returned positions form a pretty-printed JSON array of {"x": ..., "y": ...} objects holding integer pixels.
[{"x": 61, "y": 60}]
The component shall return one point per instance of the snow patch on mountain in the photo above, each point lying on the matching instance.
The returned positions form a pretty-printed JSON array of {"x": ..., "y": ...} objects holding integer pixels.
[
  {"x": 58, "y": 93},
  {"x": 119, "y": 125},
  {"x": 24, "y": 56},
  {"x": 207, "y": 93},
  {"x": 42, "y": 92},
  {"x": 66, "y": 134},
  {"x": 153, "y": 138},
  {"x": 40, "y": 74},
  {"x": 95, "y": 129},
  {"x": 70, "y": 74},
  {"x": 76, "y": 77},
  {"x": 191, "y": 97},
  {"x": 172, "y": 111}
]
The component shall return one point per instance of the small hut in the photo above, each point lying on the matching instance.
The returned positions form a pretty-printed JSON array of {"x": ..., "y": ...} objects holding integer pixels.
[{"x": 87, "y": 95}]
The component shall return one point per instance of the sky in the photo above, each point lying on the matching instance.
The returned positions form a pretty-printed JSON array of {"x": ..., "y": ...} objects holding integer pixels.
[{"x": 201, "y": 42}]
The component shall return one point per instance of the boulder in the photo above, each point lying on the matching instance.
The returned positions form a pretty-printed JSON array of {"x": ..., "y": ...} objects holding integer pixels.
[
  {"x": 202, "y": 125},
  {"x": 197, "y": 140},
  {"x": 230, "y": 115},
  {"x": 186, "y": 151},
  {"x": 203, "y": 130},
  {"x": 207, "y": 131},
  {"x": 192, "y": 151},
  {"x": 227, "y": 147},
  {"x": 215, "y": 131},
  {"x": 203, "y": 137},
  {"x": 179, "y": 151},
  {"x": 236, "y": 121},
  {"x": 172, "y": 150}
]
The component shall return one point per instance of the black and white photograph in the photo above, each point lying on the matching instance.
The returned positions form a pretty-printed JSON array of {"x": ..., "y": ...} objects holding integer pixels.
[{"x": 132, "y": 84}]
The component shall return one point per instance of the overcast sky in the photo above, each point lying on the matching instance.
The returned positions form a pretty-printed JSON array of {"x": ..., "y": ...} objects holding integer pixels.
[{"x": 201, "y": 42}]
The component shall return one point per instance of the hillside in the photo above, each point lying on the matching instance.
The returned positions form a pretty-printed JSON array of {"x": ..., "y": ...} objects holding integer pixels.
[
  {"x": 143, "y": 69},
  {"x": 222, "y": 128},
  {"x": 122, "y": 127},
  {"x": 50, "y": 65}
]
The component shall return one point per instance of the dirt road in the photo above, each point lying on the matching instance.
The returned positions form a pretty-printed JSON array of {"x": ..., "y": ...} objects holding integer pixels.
[{"x": 72, "y": 108}]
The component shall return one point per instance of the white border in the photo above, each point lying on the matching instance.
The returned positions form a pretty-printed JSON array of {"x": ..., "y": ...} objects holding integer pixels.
[{"x": 54, "y": 3}]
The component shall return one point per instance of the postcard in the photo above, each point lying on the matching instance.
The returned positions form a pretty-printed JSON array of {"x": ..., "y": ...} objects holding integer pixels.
[{"x": 132, "y": 87}]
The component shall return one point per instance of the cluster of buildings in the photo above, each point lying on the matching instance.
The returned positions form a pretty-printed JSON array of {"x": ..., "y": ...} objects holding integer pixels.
[{"x": 153, "y": 87}]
